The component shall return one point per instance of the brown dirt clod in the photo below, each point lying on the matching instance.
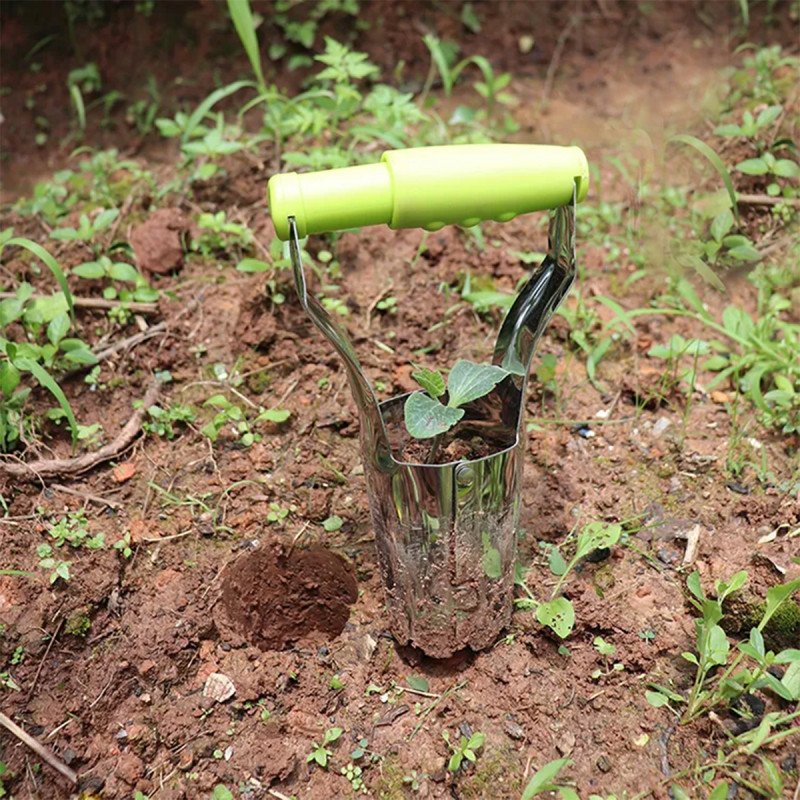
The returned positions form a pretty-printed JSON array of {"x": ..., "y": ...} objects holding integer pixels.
[
  {"x": 157, "y": 242},
  {"x": 274, "y": 597}
]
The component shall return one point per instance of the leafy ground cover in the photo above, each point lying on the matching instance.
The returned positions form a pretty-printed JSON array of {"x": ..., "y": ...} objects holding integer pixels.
[{"x": 190, "y": 604}]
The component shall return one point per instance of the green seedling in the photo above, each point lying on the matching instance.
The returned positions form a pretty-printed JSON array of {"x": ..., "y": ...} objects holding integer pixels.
[
  {"x": 7, "y": 682},
  {"x": 414, "y": 780},
  {"x": 142, "y": 113},
  {"x": 463, "y": 750},
  {"x": 123, "y": 545},
  {"x": 426, "y": 416},
  {"x": 320, "y": 754},
  {"x": 88, "y": 229},
  {"x": 215, "y": 143},
  {"x": 606, "y": 649},
  {"x": 55, "y": 311},
  {"x": 558, "y": 613},
  {"x": 751, "y": 125},
  {"x": 229, "y": 417},
  {"x": 332, "y": 524},
  {"x": 58, "y": 569},
  {"x": 352, "y": 773},
  {"x": 387, "y": 305},
  {"x": 277, "y": 514},
  {"x": 82, "y": 81},
  {"x": 720, "y": 681},
  {"x": 72, "y": 530},
  {"x": 543, "y": 780},
  {"x": 756, "y": 352},
  {"x": 162, "y": 421},
  {"x": 218, "y": 235}
]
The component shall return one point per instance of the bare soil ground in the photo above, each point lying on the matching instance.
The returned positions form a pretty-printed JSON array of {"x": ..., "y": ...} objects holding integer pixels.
[{"x": 116, "y": 660}]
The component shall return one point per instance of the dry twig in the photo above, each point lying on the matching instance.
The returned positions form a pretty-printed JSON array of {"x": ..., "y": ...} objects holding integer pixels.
[
  {"x": 53, "y": 637},
  {"x": 40, "y": 750},
  {"x": 766, "y": 200},
  {"x": 92, "y": 498},
  {"x": 97, "y": 302}
]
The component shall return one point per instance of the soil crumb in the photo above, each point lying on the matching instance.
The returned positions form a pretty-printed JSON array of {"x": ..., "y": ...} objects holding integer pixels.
[{"x": 274, "y": 598}]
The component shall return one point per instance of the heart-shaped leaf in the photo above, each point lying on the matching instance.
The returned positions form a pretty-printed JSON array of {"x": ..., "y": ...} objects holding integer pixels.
[
  {"x": 558, "y": 615},
  {"x": 468, "y": 381},
  {"x": 426, "y": 417}
]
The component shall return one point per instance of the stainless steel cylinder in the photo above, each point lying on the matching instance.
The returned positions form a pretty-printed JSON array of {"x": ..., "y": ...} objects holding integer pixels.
[{"x": 446, "y": 534}]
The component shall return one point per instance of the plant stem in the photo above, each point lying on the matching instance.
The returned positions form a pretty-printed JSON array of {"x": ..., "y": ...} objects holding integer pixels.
[{"x": 433, "y": 705}]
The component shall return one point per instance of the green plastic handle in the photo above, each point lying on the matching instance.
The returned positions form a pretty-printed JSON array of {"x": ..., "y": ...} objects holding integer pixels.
[{"x": 430, "y": 187}]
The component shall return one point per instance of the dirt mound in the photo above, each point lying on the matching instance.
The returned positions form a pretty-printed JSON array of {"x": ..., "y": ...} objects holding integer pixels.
[{"x": 274, "y": 598}]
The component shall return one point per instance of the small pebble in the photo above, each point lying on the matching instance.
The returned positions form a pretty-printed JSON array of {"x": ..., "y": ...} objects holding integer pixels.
[
  {"x": 666, "y": 556},
  {"x": 661, "y": 425},
  {"x": 739, "y": 488},
  {"x": 513, "y": 729}
]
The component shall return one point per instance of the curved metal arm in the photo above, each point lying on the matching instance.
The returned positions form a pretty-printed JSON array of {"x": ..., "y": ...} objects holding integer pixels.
[
  {"x": 540, "y": 297},
  {"x": 372, "y": 429}
]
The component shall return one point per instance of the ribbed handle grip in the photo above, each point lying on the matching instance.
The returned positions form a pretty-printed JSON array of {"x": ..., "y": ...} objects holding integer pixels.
[{"x": 429, "y": 187}]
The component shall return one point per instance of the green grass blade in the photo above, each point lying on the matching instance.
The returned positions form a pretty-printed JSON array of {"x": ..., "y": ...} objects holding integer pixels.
[
  {"x": 622, "y": 315},
  {"x": 245, "y": 26},
  {"x": 17, "y": 573},
  {"x": 80, "y": 110},
  {"x": 716, "y": 162},
  {"x": 47, "y": 380},
  {"x": 744, "y": 8},
  {"x": 218, "y": 94},
  {"x": 52, "y": 265},
  {"x": 435, "y": 49}
]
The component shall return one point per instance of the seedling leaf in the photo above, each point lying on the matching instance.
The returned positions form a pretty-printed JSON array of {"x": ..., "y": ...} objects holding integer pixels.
[
  {"x": 720, "y": 792},
  {"x": 420, "y": 684},
  {"x": 656, "y": 699},
  {"x": 245, "y": 27},
  {"x": 596, "y": 536},
  {"x": 542, "y": 779},
  {"x": 791, "y": 679},
  {"x": 776, "y": 595},
  {"x": 716, "y": 162},
  {"x": 558, "y": 615},
  {"x": 46, "y": 380},
  {"x": 426, "y": 417},
  {"x": 468, "y": 381},
  {"x": 430, "y": 380},
  {"x": 52, "y": 265}
]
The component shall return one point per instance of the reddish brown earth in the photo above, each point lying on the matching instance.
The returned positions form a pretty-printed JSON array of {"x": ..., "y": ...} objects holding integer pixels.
[
  {"x": 274, "y": 598},
  {"x": 213, "y": 587}
]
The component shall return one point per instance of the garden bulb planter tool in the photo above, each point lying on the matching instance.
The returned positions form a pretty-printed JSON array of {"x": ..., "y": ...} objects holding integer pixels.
[{"x": 445, "y": 533}]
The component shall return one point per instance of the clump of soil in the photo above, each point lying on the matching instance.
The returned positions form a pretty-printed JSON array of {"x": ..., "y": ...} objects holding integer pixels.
[
  {"x": 744, "y": 611},
  {"x": 451, "y": 448},
  {"x": 274, "y": 597}
]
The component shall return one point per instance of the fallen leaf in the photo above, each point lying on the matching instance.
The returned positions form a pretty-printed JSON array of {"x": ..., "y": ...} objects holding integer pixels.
[{"x": 125, "y": 471}]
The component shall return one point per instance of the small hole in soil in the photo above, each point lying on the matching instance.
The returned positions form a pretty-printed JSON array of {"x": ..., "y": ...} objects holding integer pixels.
[{"x": 274, "y": 598}]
